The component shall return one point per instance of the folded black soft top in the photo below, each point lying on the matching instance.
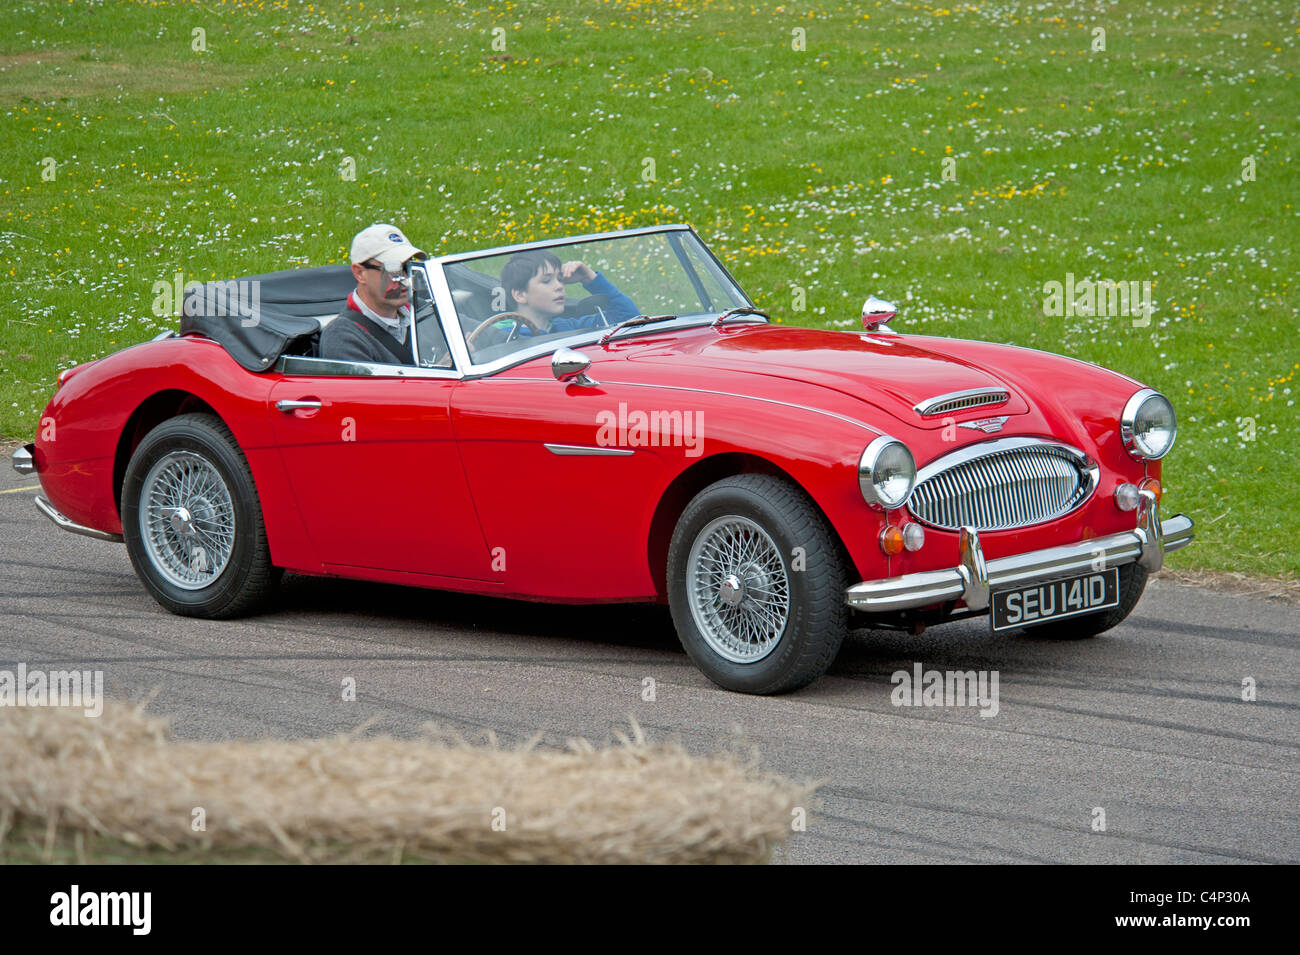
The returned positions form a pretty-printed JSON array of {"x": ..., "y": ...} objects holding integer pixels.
[{"x": 258, "y": 318}]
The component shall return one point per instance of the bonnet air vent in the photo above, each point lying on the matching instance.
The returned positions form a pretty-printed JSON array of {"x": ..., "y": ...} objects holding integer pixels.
[{"x": 961, "y": 401}]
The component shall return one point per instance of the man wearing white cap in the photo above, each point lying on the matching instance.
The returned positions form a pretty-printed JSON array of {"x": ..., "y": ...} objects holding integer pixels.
[{"x": 375, "y": 325}]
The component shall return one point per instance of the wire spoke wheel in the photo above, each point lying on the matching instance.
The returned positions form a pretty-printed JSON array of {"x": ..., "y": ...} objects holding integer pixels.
[
  {"x": 187, "y": 520},
  {"x": 738, "y": 589},
  {"x": 192, "y": 520}
]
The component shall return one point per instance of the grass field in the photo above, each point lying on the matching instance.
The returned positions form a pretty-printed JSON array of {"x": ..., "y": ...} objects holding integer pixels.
[{"x": 953, "y": 159}]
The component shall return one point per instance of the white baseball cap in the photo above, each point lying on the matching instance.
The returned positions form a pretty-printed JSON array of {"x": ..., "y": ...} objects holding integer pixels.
[{"x": 385, "y": 243}]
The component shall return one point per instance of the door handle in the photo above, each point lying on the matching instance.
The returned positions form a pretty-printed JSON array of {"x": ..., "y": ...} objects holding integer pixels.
[{"x": 288, "y": 407}]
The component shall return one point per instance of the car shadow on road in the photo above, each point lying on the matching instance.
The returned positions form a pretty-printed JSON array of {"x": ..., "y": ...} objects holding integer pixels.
[
  {"x": 867, "y": 654},
  {"x": 644, "y": 626},
  {"x": 960, "y": 645}
]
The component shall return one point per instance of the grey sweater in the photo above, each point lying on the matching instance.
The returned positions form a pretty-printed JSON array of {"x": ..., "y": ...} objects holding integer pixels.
[{"x": 355, "y": 337}]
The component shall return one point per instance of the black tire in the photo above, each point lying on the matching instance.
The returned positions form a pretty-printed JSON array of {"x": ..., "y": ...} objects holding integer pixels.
[
  {"x": 816, "y": 617},
  {"x": 246, "y": 578},
  {"x": 1132, "y": 581}
]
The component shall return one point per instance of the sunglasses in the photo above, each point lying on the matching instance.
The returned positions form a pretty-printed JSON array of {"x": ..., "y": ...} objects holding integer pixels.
[{"x": 396, "y": 278}]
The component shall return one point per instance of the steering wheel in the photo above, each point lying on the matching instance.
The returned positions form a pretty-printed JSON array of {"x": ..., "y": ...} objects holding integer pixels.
[{"x": 517, "y": 316}]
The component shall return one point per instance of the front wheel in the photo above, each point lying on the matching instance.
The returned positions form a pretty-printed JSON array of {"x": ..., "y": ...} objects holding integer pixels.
[
  {"x": 193, "y": 523},
  {"x": 756, "y": 585}
]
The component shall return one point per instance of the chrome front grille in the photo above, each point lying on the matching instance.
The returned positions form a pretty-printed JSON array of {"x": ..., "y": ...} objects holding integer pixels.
[
  {"x": 1002, "y": 484},
  {"x": 961, "y": 401}
]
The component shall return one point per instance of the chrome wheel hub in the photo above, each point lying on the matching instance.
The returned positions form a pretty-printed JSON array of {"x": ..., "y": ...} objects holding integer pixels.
[
  {"x": 738, "y": 589},
  {"x": 179, "y": 519},
  {"x": 187, "y": 520},
  {"x": 731, "y": 591}
]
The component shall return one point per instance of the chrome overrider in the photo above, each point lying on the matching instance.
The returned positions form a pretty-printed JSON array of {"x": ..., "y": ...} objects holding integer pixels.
[{"x": 974, "y": 578}]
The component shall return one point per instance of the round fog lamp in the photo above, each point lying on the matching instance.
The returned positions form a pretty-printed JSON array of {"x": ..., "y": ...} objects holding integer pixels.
[
  {"x": 913, "y": 536},
  {"x": 1126, "y": 497}
]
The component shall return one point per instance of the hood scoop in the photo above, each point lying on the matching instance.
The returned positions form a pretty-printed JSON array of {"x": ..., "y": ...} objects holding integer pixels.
[{"x": 961, "y": 401}]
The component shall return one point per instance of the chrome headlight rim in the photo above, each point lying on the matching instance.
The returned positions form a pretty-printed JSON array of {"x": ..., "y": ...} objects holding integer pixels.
[
  {"x": 871, "y": 456},
  {"x": 1129, "y": 420}
]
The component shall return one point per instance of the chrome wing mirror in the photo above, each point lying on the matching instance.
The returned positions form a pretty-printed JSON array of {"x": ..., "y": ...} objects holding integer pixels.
[
  {"x": 877, "y": 313},
  {"x": 571, "y": 366}
]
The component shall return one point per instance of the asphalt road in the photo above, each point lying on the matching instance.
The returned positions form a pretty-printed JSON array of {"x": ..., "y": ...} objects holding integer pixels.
[{"x": 1146, "y": 722}]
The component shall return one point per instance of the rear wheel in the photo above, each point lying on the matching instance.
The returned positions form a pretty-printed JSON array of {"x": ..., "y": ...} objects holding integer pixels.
[
  {"x": 192, "y": 520},
  {"x": 756, "y": 585},
  {"x": 1132, "y": 581}
]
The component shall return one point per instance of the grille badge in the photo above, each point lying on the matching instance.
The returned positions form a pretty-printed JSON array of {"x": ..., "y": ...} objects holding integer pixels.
[{"x": 987, "y": 425}]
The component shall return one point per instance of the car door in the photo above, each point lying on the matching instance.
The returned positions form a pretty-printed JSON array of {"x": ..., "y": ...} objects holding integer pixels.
[
  {"x": 375, "y": 469},
  {"x": 564, "y": 508}
]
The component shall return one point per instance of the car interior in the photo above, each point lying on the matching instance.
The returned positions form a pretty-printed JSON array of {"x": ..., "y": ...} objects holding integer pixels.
[{"x": 474, "y": 292}]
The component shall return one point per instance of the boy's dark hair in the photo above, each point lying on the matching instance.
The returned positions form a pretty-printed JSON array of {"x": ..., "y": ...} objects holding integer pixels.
[{"x": 520, "y": 270}]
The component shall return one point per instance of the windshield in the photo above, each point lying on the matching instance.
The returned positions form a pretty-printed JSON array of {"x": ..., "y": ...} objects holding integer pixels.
[{"x": 516, "y": 300}]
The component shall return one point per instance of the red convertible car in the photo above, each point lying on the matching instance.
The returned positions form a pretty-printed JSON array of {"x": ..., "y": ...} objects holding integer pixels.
[{"x": 646, "y": 435}]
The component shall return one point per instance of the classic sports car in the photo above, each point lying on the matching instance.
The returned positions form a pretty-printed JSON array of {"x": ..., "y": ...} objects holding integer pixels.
[{"x": 761, "y": 480}]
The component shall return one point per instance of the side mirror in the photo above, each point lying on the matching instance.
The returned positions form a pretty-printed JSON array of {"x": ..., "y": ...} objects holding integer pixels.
[
  {"x": 571, "y": 366},
  {"x": 876, "y": 314}
]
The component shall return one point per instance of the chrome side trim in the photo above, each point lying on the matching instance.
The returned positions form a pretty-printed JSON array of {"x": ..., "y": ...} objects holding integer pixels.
[
  {"x": 577, "y": 450},
  {"x": 333, "y": 367},
  {"x": 962, "y": 401},
  {"x": 46, "y": 508},
  {"x": 22, "y": 460},
  {"x": 929, "y": 587}
]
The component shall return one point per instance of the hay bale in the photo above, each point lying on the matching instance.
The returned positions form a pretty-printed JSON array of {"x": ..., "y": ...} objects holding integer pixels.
[{"x": 346, "y": 799}]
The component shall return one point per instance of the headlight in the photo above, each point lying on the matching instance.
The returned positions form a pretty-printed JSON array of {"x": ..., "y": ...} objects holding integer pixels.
[
  {"x": 1148, "y": 425},
  {"x": 886, "y": 473}
]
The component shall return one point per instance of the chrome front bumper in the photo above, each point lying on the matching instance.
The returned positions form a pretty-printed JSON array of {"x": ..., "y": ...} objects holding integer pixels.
[{"x": 974, "y": 578}]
